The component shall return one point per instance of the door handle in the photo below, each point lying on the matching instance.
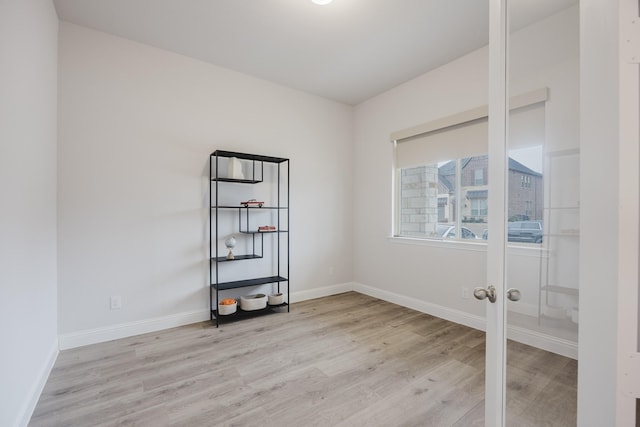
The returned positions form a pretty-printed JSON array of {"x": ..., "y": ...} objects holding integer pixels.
[
  {"x": 513, "y": 294},
  {"x": 482, "y": 293}
]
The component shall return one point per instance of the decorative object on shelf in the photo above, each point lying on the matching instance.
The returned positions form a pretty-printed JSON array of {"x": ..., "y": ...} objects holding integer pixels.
[
  {"x": 227, "y": 306},
  {"x": 252, "y": 202},
  {"x": 235, "y": 168},
  {"x": 264, "y": 228},
  {"x": 230, "y": 243},
  {"x": 253, "y": 302},
  {"x": 276, "y": 299}
]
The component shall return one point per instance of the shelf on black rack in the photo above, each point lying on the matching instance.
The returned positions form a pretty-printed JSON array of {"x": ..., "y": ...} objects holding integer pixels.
[
  {"x": 236, "y": 258},
  {"x": 249, "y": 207},
  {"x": 245, "y": 156},
  {"x": 242, "y": 314},
  {"x": 249, "y": 282},
  {"x": 263, "y": 232},
  {"x": 240, "y": 181}
]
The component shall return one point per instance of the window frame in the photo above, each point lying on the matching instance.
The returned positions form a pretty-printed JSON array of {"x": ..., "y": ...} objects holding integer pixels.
[{"x": 479, "y": 113}]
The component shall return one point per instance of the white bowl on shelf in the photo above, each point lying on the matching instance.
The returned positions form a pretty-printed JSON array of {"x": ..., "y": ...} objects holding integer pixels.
[
  {"x": 226, "y": 309},
  {"x": 253, "y": 302},
  {"x": 276, "y": 299}
]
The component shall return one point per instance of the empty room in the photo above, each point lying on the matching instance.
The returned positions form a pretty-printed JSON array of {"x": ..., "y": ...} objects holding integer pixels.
[{"x": 319, "y": 212}]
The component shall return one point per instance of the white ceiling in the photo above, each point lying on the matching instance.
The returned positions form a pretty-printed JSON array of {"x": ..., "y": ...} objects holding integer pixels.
[{"x": 348, "y": 51}]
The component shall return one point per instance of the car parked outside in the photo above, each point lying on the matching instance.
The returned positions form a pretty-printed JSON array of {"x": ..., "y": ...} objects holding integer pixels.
[
  {"x": 525, "y": 231},
  {"x": 447, "y": 231}
]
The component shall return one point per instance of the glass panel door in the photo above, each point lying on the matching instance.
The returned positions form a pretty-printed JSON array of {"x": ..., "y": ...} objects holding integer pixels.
[{"x": 542, "y": 213}]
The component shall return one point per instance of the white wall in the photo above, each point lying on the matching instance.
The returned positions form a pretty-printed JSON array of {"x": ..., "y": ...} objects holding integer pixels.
[
  {"x": 543, "y": 55},
  {"x": 137, "y": 125},
  {"x": 426, "y": 273},
  {"x": 28, "y": 272}
]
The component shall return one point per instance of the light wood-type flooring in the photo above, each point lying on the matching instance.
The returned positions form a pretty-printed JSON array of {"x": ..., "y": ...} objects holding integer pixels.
[{"x": 344, "y": 360}]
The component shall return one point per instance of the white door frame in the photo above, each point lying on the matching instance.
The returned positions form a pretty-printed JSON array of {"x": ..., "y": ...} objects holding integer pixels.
[
  {"x": 609, "y": 261},
  {"x": 496, "y": 247},
  {"x": 628, "y": 230}
]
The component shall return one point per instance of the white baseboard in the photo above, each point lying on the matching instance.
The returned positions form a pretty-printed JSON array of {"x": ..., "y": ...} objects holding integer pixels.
[
  {"x": 525, "y": 336},
  {"x": 25, "y": 413},
  {"x": 124, "y": 330},
  {"x": 324, "y": 291},
  {"x": 543, "y": 341},
  {"x": 446, "y": 313}
]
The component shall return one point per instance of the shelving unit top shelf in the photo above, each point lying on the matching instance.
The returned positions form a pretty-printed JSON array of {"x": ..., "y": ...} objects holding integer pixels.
[{"x": 245, "y": 156}]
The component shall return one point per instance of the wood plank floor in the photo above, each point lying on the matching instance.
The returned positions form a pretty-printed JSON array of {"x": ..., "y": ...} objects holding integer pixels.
[{"x": 344, "y": 360}]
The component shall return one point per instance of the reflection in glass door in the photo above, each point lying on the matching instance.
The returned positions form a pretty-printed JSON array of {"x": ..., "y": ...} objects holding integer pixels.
[{"x": 542, "y": 209}]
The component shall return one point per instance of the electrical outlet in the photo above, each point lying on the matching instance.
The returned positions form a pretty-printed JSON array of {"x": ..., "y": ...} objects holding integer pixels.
[
  {"x": 465, "y": 292},
  {"x": 115, "y": 302}
]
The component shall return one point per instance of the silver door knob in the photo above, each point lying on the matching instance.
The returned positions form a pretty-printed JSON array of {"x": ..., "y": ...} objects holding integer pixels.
[
  {"x": 482, "y": 293},
  {"x": 513, "y": 294}
]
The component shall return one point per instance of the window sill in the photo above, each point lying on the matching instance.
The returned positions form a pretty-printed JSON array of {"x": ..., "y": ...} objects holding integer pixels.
[
  {"x": 521, "y": 249},
  {"x": 474, "y": 245}
]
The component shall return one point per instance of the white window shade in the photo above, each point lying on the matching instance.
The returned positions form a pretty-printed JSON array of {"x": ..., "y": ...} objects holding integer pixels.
[
  {"x": 467, "y": 135},
  {"x": 527, "y": 126},
  {"x": 454, "y": 142}
]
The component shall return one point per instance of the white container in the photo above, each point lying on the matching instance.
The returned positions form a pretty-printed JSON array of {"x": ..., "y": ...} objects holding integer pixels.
[
  {"x": 276, "y": 299},
  {"x": 253, "y": 302},
  {"x": 227, "y": 309},
  {"x": 235, "y": 168}
]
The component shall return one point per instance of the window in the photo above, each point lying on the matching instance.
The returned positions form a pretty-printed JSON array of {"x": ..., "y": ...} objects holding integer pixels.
[
  {"x": 479, "y": 207},
  {"x": 435, "y": 172},
  {"x": 528, "y": 208},
  {"x": 526, "y": 195},
  {"x": 479, "y": 177},
  {"x": 430, "y": 203},
  {"x": 440, "y": 180},
  {"x": 443, "y": 208}
]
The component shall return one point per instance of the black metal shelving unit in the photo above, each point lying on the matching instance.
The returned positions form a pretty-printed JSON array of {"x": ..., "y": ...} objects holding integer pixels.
[{"x": 280, "y": 274}]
